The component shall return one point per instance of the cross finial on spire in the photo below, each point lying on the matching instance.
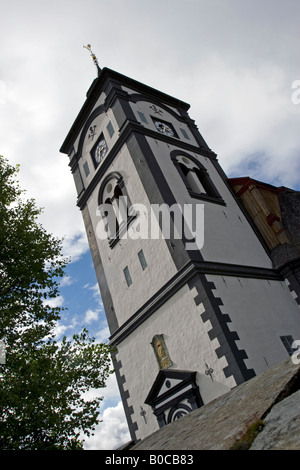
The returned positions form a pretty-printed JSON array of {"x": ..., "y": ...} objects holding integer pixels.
[{"x": 89, "y": 48}]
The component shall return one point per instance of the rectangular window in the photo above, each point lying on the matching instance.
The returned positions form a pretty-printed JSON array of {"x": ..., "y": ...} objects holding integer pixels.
[
  {"x": 127, "y": 276},
  {"x": 86, "y": 169},
  {"x": 184, "y": 133},
  {"x": 142, "y": 259},
  {"x": 2, "y": 352},
  {"x": 142, "y": 117},
  {"x": 287, "y": 342},
  {"x": 110, "y": 129}
]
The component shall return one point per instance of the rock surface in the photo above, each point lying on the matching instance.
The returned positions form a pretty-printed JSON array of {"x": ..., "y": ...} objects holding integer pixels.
[
  {"x": 282, "y": 426},
  {"x": 222, "y": 422}
]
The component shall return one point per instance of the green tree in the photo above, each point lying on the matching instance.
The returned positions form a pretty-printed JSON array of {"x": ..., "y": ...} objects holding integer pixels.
[{"x": 42, "y": 382}]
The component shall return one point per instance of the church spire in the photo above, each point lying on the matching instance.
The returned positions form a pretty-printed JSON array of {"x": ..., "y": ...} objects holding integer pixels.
[{"x": 95, "y": 60}]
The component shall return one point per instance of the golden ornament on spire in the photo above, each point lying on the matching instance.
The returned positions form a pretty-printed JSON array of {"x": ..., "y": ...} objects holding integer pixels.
[{"x": 95, "y": 60}]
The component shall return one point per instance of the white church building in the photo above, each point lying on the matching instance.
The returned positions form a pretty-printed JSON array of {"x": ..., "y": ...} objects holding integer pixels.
[{"x": 193, "y": 301}]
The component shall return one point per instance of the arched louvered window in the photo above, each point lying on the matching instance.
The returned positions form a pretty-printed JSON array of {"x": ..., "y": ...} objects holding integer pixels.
[
  {"x": 114, "y": 205},
  {"x": 196, "y": 178}
]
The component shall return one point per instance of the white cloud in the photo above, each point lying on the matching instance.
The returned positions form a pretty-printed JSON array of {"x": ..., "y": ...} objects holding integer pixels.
[
  {"x": 243, "y": 112},
  {"x": 61, "y": 329},
  {"x": 102, "y": 335},
  {"x": 112, "y": 432},
  {"x": 91, "y": 315},
  {"x": 94, "y": 288},
  {"x": 56, "y": 302},
  {"x": 66, "y": 281},
  {"x": 110, "y": 393},
  {"x": 96, "y": 295},
  {"x": 76, "y": 245}
]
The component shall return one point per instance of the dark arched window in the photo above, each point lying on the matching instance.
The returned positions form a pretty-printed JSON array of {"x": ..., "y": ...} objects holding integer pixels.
[
  {"x": 196, "y": 178},
  {"x": 114, "y": 205}
]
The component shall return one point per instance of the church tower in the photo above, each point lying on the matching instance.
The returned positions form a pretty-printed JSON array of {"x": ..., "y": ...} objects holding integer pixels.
[{"x": 193, "y": 303}]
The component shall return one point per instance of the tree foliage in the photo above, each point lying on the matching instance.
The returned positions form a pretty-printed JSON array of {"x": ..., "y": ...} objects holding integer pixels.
[{"x": 42, "y": 382}]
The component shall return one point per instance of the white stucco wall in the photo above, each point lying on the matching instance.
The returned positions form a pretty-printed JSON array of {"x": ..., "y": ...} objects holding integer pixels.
[
  {"x": 160, "y": 269},
  {"x": 260, "y": 311},
  {"x": 189, "y": 348}
]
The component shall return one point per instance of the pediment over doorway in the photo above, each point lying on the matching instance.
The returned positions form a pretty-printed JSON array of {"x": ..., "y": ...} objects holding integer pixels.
[{"x": 173, "y": 394}]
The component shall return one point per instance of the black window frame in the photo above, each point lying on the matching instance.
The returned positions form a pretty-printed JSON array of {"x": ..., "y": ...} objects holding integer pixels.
[
  {"x": 287, "y": 342},
  {"x": 121, "y": 189},
  {"x": 127, "y": 276},
  {"x": 142, "y": 260}
]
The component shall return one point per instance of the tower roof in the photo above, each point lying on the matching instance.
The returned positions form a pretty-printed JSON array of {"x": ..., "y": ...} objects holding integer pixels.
[{"x": 99, "y": 84}]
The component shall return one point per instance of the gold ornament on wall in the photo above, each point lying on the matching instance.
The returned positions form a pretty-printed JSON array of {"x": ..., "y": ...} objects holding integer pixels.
[{"x": 161, "y": 352}]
